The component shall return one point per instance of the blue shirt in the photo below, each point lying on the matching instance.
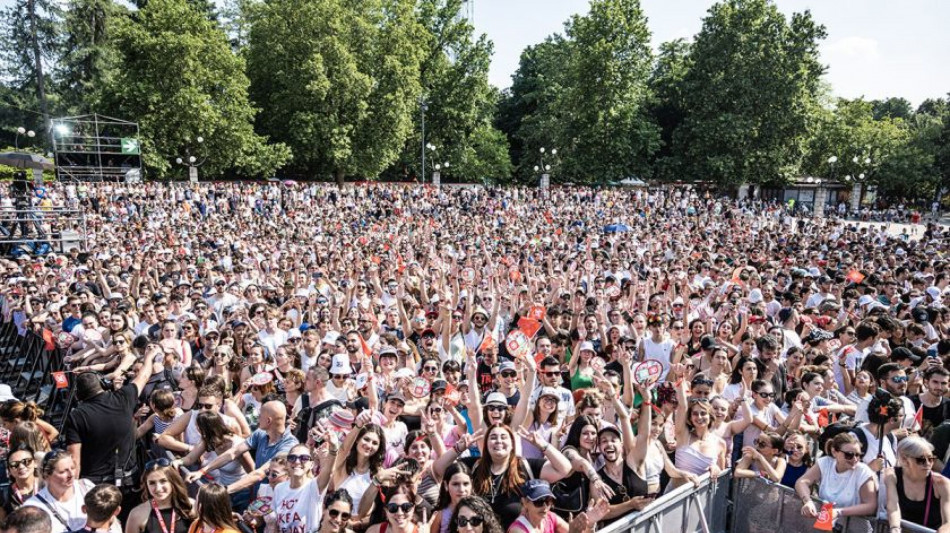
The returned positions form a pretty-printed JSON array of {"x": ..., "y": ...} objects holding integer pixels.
[{"x": 264, "y": 450}]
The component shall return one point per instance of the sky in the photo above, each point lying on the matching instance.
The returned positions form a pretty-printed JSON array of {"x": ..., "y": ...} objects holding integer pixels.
[{"x": 874, "y": 48}]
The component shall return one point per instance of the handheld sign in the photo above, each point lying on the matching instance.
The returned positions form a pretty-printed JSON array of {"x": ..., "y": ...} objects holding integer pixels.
[
  {"x": 647, "y": 372},
  {"x": 537, "y": 312},
  {"x": 518, "y": 344},
  {"x": 420, "y": 388},
  {"x": 468, "y": 274},
  {"x": 60, "y": 379}
]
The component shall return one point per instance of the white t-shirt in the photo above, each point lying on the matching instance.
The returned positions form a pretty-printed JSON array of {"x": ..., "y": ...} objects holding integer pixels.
[
  {"x": 842, "y": 488},
  {"x": 298, "y": 510},
  {"x": 767, "y": 415},
  {"x": 70, "y": 511}
]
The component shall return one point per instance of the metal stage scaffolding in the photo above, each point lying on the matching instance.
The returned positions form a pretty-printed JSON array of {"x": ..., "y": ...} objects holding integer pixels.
[{"x": 96, "y": 148}]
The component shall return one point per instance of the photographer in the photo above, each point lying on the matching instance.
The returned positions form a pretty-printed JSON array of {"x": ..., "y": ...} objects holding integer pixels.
[{"x": 100, "y": 431}]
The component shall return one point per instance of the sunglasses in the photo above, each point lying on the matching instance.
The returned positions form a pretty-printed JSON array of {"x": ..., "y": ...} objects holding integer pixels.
[
  {"x": 766, "y": 395},
  {"x": 430, "y": 369},
  {"x": 899, "y": 379},
  {"x": 701, "y": 382},
  {"x": 496, "y": 408},
  {"x": 474, "y": 521},
  {"x": 508, "y": 374},
  {"x": 393, "y": 508},
  {"x": 302, "y": 458},
  {"x": 546, "y": 502},
  {"x": 850, "y": 456},
  {"x": 275, "y": 473},
  {"x": 335, "y": 513},
  {"x": 17, "y": 464},
  {"x": 157, "y": 463},
  {"x": 925, "y": 460},
  {"x": 207, "y": 406},
  {"x": 554, "y": 373}
]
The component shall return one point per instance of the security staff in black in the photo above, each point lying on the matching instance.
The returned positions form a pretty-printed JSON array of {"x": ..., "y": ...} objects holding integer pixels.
[{"x": 100, "y": 432}]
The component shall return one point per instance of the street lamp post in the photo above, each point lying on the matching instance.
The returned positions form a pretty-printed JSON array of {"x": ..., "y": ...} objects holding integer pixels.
[
  {"x": 857, "y": 181},
  {"x": 22, "y": 131},
  {"x": 436, "y": 175},
  {"x": 423, "y": 107},
  {"x": 192, "y": 163},
  {"x": 544, "y": 168}
]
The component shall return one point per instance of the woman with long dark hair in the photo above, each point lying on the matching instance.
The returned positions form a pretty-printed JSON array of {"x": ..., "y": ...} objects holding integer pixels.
[
  {"x": 213, "y": 510},
  {"x": 358, "y": 461},
  {"x": 473, "y": 515},
  {"x": 499, "y": 472},
  {"x": 456, "y": 485},
  {"x": 337, "y": 511},
  {"x": 217, "y": 438},
  {"x": 399, "y": 507},
  {"x": 21, "y": 467},
  {"x": 167, "y": 507}
]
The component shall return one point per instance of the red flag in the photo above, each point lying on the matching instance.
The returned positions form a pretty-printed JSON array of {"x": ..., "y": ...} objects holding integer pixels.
[
  {"x": 50, "y": 344},
  {"x": 529, "y": 326},
  {"x": 537, "y": 312},
  {"x": 855, "y": 277},
  {"x": 60, "y": 379},
  {"x": 487, "y": 343},
  {"x": 919, "y": 417},
  {"x": 825, "y": 521},
  {"x": 823, "y": 418}
]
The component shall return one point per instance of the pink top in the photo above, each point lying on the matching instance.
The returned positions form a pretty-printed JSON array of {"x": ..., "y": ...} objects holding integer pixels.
[{"x": 522, "y": 525}]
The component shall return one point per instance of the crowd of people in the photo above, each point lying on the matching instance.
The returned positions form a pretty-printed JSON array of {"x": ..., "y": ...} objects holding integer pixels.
[{"x": 378, "y": 358}]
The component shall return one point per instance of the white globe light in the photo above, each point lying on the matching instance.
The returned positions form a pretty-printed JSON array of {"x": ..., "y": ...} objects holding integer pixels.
[
  {"x": 847, "y": 178},
  {"x": 438, "y": 166},
  {"x": 809, "y": 179},
  {"x": 21, "y": 130},
  {"x": 861, "y": 176},
  {"x": 536, "y": 168},
  {"x": 855, "y": 160},
  {"x": 833, "y": 159},
  {"x": 191, "y": 159},
  {"x": 818, "y": 181},
  {"x": 867, "y": 161},
  {"x": 31, "y": 133},
  {"x": 446, "y": 164},
  {"x": 547, "y": 167},
  {"x": 542, "y": 149},
  {"x": 200, "y": 139},
  {"x": 178, "y": 160},
  {"x": 553, "y": 151}
]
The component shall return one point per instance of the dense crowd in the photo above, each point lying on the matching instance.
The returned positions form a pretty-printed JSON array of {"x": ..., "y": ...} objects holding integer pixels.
[{"x": 297, "y": 358}]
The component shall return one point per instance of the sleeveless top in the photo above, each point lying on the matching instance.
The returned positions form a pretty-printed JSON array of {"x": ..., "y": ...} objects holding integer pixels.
[
  {"x": 182, "y": 525},
  {"x": 355, "y": 485},
  {"x": 792, "y": 473},
  {"x": 692, "y": 460},
  {"x": 522, "y": 525},
  {"x": 160, "y": 425},
  {"x": 633, "y": 485},
  {"x": 914, "y": 510},
  {"x": 446, "y": 519}
]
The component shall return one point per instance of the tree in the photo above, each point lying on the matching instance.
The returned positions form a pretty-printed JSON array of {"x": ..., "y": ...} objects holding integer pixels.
[
  {"x": 89, "y": 57},
  {"x": 892, "y": 108},
  {"x": 666, "y": 107},
  {"x": 529, "y": 112},
  {"x": 460, "y": 102},
  {"x": 749, "y": 94},
  {"x": 337, "y": 81},
  {"x": 179, "y": 79},
  {"x": 607, "y": 135},
  {"x": 30, "y": 38}
]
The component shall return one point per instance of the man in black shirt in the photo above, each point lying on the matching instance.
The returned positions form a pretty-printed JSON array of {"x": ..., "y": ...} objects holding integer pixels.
[{"x": 100, "y": 431}]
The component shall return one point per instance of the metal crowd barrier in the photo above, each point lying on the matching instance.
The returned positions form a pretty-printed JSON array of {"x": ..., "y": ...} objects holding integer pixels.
[
  {"x": 27, "y": 367},
  {"x": 760, "y": 506},
  {"x": 688, "y": 509}
]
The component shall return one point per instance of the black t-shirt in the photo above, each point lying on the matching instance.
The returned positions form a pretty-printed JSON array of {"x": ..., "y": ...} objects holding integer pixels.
[
  {"x": 933, "y": 416},
  {"x": 104, "y": 427},
  {"x": 507, "y": 505}
]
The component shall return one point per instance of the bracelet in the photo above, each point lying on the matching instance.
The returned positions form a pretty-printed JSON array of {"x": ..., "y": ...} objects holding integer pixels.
[
  {"x": 375, "y": 481},
  {"x": 545, "y": 449}
]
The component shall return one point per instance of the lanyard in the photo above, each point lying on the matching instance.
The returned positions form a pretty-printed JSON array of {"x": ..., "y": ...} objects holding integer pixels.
[{"x": 161, "y": 520}]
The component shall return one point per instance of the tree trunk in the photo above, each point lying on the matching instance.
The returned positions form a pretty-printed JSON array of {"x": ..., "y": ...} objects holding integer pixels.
[
  {"x": 37, "y": 59},
  {"x": 338, "y": 176}
]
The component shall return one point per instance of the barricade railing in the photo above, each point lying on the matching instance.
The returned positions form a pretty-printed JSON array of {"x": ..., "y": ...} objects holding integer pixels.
[
  {"x": 762, "y": 506},
  {"x": 27, "y": 366},
  {"x": 687, "y": 509}
]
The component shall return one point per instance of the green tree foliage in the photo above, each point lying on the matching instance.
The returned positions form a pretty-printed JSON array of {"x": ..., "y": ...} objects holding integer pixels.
[
  {"x": 180, "y": 80},
  {"x": 454, "y": 79},
  {"x": 749, "y": 94},
  {"x": 607, "y": 135},
  {"x": 892, "y": 108},
  {"x": 337, "y": 81},
  {"x": 666, "y": 107},
  {"x": 89, "y": 57}
]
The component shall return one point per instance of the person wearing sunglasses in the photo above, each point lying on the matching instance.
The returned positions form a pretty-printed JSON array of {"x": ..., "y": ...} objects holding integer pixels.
[
  {"x": 473, "y": 515},
  {"x": 537, "y": 515},
  {"x": 167, "y": 507},
  {"x": 337, "y": 511},
  {"x": 842, "y": 479},
  {"x": 766, "y": 416},
  {"x": 21, "y": 467},
  {"x": 298, "y": 500},
  {"x": 400, "y": 511},
  {"x": 892, "y": 378},
  {"x": 915, "y": 477},
  {"x": 765, "y": 458}
]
